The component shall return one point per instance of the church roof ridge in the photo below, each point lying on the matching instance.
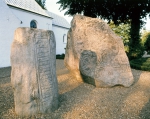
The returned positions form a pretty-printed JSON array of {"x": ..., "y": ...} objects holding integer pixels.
[{"x": 29, "y": 5}]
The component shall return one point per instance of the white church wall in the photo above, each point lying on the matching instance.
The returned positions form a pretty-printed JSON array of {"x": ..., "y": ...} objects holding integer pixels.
[
  {"x": 26, "y": 17},
  {"x": 12, "y": 18},
  {"x": 8, "y": 24},
  {"x": 61, "y": 38}
]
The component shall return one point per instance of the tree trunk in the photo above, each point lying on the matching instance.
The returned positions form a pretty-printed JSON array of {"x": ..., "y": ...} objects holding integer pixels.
[{"x": 134, "y": 43}]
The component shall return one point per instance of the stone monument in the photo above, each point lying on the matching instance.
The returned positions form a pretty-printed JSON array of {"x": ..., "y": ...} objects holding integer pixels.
[
  {"x": 33, "y": 76},
  {"x": 95, "y": 54}
]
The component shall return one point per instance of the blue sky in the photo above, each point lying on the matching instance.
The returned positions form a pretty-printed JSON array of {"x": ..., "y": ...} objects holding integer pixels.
[{"x": 53, "y": 7}]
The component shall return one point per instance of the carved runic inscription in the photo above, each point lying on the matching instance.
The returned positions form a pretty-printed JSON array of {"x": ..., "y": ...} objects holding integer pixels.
[
  {"x": 33, "y": 54},
  {"x": 43, "y": 66}
]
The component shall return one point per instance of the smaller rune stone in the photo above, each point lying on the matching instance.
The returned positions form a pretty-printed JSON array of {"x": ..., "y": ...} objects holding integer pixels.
[
  {"x": 33, "y": 74},
  {"x": 95, "y": 54}
]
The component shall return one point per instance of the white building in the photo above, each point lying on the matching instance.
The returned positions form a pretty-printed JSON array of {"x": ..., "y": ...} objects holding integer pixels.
[{"x": 27, "y": 13}]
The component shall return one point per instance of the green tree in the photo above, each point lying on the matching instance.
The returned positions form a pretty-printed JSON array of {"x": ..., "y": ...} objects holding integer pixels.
[
  {"x": 123, "y": 31},
  {"x": 119, "y": 11},
  {"x": 146, "y": 40},
  {"x": 145, "y": 35},
  {"x": 41, "y": 3}
]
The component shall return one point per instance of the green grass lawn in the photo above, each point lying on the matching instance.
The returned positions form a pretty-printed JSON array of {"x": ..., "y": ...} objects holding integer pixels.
[{"x": 141, "y": 64}]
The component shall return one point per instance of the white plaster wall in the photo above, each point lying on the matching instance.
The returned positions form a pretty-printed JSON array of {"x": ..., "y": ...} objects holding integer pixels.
[
  {"x": 8, "y": 24},
  {"x": 10, "y": 19},
  {"x": 26, "y": 17},
  {"x": 59, "y": 33}
]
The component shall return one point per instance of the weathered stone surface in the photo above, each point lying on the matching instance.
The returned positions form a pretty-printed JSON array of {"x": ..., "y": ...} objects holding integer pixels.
[
  {"x": 95, "y": 54},
  {"x": 33, "y": 75}
]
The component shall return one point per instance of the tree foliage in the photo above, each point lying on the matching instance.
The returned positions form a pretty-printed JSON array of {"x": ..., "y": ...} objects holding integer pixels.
[
  {"x": 144, "y": 37},
  {"x": 119, "y": 11},
  {"x": 146, "y": 40},
  {"x": 41, "y": 3},
  {"x": 115, "y": 10},
  {"x": 122, "y": 30}
]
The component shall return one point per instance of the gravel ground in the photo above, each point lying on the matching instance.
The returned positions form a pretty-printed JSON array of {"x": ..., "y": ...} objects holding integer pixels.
[{"x": 79, "y": 100}]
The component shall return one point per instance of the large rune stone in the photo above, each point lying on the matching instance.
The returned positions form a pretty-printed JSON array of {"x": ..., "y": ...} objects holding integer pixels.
[
  {"x": 95, "y": 54},
  {"x": 33, "y": 75}
]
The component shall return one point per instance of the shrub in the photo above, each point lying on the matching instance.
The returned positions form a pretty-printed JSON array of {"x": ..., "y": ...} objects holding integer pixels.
[
  {"x": 141, "y": 64},
  {"x": 62, "y": 56},
  {"x": 145, "y": 41},
  {"x": 136, "y": 52}
]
